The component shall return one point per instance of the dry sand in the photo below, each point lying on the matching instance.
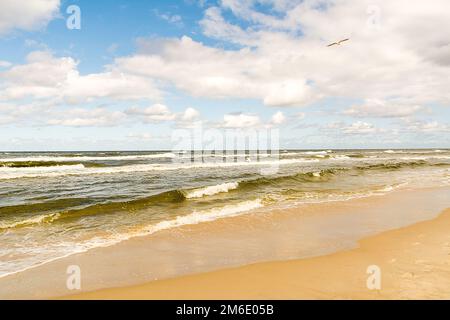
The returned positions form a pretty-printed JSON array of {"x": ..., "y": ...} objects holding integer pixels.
[{"x": 414, "y": 263}]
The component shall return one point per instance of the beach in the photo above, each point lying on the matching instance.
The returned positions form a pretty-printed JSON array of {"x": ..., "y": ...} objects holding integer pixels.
[
  {"x": 319, "y": 251},
  {"x": 414, "y": 263}
]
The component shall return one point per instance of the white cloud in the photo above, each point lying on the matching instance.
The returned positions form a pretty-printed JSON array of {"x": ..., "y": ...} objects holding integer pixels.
[
  {"x": 140, "y": 136},
  {"x": 427, "y": 126},
  {"x": 190, "y": 114},
  {"x": 176, "y": 19},
  {"x": 278, "y": 118},
  {"x": 210, "y": 72},
  {"x": 80, "y": 117},
  {"x": 28, "y": 16},
  {"x": 45, "y": 76},
  {"x": 240, "y": 120},
  {"x": 5, "y": 64},
  {"x": 359, "y": 127},
  {"x": 155, "y": 113},
  {"x": 382, "y": 109},
  {"x": 158, "y": 113},
  {"x": 215, "y": 26},
  {"x": 170, "y": 18},
  {"x": 403, "y": 57}
]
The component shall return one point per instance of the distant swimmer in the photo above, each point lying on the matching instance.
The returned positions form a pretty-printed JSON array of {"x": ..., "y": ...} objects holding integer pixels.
[{"x": 338, "y": 43}]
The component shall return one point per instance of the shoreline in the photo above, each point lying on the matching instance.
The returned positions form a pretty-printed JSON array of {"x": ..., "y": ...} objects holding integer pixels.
[
  {"x": 414, "y": 262},
  {"x": 302, "y": 232}
]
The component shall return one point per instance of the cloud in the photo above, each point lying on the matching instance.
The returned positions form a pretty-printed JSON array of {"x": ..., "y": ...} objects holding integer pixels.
[
  {"x": 240, "y": 120},
  {"x": 190, "y": 114},
  {"x": 420, "y": 126},
  {"x": 282, "y": 59},
  {"x": 278, "y": 118},
  {"x": 43, "y": 113},
  {"x": 140, "y": 136},
  {"x": 215, "y": 26},
  {"x": 45, "y": 76},
  {"x": 382, "y": 109},
  {"x": 158, "y": 113},
  {"x": 33, "y": 15},
  {"x": 209, "y": 72},
  {"x": 359, "y": 127},
  {"x": 79, "y": 117},
  {"x": 5, "y": 64},
  {"x": 356, "y": 128},
  {"x": 155, "y": 113},
  {"x": 170, "y": 18},
  {"x": 35, "y": 112}
]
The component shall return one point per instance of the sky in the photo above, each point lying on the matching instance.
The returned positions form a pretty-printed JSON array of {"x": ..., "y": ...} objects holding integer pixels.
[{"x": 128, "y": 75}]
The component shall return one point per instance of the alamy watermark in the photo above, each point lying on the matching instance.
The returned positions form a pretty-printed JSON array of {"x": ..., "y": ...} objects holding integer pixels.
[
  {"x": 373, "y": 21},
  {"x": 73, "y": 21},
  {"x": 226, "y": 147},
  {"x": 374, "y": 280},
  {"x": 73, "y": 281}
]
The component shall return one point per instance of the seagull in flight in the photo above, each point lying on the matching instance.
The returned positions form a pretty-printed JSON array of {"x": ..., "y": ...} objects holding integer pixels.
[{"x": 338, "y": 43}]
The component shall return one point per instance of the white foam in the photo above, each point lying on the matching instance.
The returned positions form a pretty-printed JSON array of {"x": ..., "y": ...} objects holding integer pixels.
[
  {"x": 342, "y": 157},
  {"x": 212, "y": 190},
  {"x": 316, "y": 152},
  {"x": 14, "y": 173},
  {"x": 390, "y": 188},
  {"x": 208, "y": 215}
]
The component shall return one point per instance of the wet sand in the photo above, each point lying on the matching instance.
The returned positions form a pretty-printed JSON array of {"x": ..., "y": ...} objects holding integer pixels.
[{"x": 414, "y": 262}]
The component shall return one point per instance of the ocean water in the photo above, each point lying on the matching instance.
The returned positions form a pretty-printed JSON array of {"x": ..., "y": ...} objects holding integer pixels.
[{"x": 54, "y": 204}]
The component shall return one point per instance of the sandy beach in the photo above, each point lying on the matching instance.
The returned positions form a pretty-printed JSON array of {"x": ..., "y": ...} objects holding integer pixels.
[{"x": 414, "y": 263}]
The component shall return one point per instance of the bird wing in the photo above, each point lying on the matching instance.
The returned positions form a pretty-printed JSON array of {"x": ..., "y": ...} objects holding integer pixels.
[
  {"x": 343, "y": 40},
  {"x": 332, "y": 44}
]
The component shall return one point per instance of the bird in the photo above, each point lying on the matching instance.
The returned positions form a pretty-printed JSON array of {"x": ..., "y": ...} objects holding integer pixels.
[{"x": 338, "y": 43}]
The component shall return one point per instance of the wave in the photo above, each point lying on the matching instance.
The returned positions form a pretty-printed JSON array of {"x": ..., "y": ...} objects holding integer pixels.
[
  {"x": 167, "y": 197},
  {"x": 390, "y": 187},
  {"x": 96, "y": 242},
  {"x": 13, "y": 173},
  {"x": 30, "y": 172},
  {"x": 211, "y": 190},
  {"x": 301, "y": 177},
  {"x": 174, "y": 196},
  {"x": 207, "y": 215},
  {"x": 397, "y": 165},
  {"x": 317, "y": 152},
  {"x": 74, "y": 208},
  {"x": 34, "y": 164},
  {"x": 88, "y": 158},
  {"x": 31, "y": 221},
  {"x": 41, "y": 207}
]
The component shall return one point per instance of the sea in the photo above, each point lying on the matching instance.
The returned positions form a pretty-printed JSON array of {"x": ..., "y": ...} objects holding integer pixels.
[{"x": 56, "y": 204}]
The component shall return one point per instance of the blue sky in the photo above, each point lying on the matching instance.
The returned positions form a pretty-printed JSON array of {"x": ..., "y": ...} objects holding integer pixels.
[{"x": 138, "y": 70}]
